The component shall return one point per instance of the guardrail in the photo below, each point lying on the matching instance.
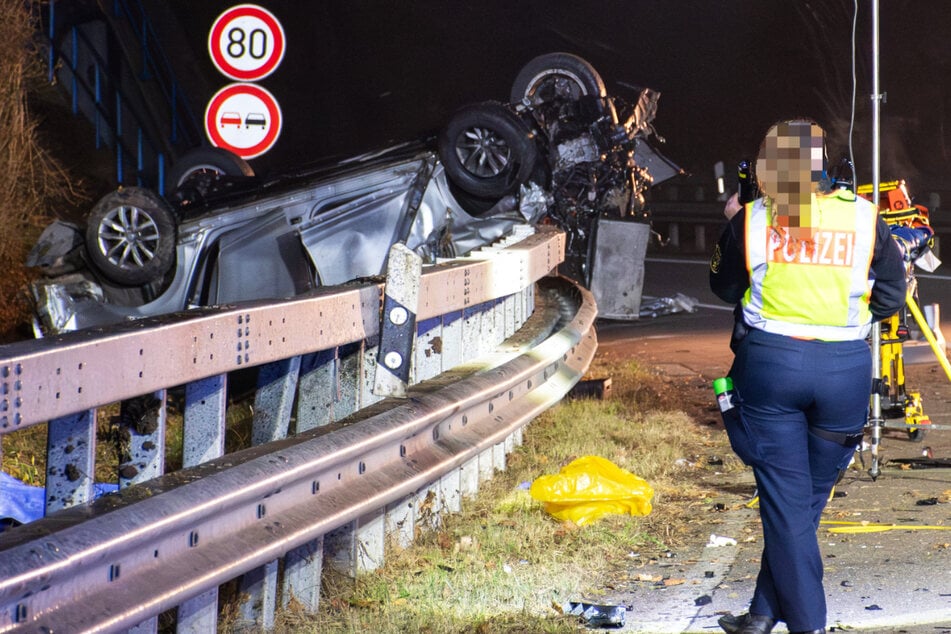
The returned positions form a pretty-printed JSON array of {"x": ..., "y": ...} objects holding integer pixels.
[{"x": 335, "y": 492}]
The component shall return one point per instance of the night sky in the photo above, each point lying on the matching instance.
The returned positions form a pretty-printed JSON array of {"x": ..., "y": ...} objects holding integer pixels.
[{"x": 360, "y": 74}]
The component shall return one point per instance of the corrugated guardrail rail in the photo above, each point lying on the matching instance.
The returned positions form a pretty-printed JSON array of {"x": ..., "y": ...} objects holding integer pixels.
[{"x": 496, "y": 341}]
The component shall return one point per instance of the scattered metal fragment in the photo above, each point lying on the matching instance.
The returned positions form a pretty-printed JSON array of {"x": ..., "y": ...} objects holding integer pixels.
[
  {"x": 922, "y": 463},
  {"x": 597, "y": 615},
  {"x": 657, "y": 306}
]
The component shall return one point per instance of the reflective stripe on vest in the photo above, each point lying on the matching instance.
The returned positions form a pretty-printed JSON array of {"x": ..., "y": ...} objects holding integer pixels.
[{"x": 817, "y": 289}]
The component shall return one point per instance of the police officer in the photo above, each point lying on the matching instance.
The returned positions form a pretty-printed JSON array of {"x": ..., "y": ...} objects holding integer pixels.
[{"x": 811, "y": 267}]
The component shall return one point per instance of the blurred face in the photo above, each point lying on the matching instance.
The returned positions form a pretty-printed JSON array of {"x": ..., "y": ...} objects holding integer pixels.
[{"x": 789, "y": 168}]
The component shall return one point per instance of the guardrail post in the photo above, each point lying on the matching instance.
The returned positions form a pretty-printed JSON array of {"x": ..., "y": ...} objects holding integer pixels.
[
  {"x": 203, "y": 439},
  {"x": 347, "y": 380},
  {"x": 368, "y": 379},
  {"x": 340, "y": 549},
  {"x": 261, "y": 586},
  {"x": 273, "y": 404},
  {"x": 400, "y": 525},
  {"x": 205, "y": 409},
  {"x": 498, "y": 456},
  {"x": 486, "y": 461},
  {"x": 450, "y": 491},
  {"x": 274, "y": 400},
  {"x": 509, "y": 305},
  {"x": 142, "y": 438},
  {"x": 316, "y": 390},
  {"x": 398, "y": 321},
  {"x": 452, "y": 333},
  {"x": 472, "y": 331},
  {"x": 142, "y": 453},
  {"x": 427, "y": 357},
  {"x": 469, "y": 478},
  {"x": 303, "y": 567},
  {"x": 700, "y": 238},
  {"x": 529, "y": 301},
  {"x": 358, "y": 546},
  {"x": 70, "y": 460},
  {"x": 428, "y": 504},
  {"x": 673, "y": 235},
  {"x": 371, "y": 539}
]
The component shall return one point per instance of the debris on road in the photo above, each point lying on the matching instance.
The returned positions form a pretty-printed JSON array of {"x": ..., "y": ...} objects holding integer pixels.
[
  {"x": 716, "y": 541},
  {"x": 597, "y": 615},
  {"x": 657, "y": 306}
]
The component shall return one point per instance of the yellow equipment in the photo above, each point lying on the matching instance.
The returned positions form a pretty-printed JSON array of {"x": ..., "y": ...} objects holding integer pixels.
[
  {"x": 912, "y": 230},
  {"x": 897, "y": 401}
]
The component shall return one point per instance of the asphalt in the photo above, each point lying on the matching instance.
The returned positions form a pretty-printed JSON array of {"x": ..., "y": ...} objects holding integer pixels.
[{"x": 894, "y": 580}]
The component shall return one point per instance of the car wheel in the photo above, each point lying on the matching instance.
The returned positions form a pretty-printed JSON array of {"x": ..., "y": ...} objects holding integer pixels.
[
  {"x": 191, "y": 177},
  {"x": 487, "y": 150},
  {"x": 556, "y": 75},
  {"x": 130, "y": 236}
]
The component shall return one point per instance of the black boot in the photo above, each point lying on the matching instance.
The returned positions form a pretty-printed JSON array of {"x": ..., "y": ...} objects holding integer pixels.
[
  {"x": 746, "y": 624},
  {"x": 821, "y": 630}
]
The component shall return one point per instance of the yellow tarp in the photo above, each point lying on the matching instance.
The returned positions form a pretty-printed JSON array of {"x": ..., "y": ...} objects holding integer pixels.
[{"x": 589, "y": 488}]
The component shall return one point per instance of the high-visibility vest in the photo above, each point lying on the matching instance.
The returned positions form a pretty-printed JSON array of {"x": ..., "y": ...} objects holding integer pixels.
[{"x": 815, "y": 289}]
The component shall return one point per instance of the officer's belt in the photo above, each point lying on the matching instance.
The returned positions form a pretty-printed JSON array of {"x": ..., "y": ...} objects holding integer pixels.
[{"x": 846, "y": 440}]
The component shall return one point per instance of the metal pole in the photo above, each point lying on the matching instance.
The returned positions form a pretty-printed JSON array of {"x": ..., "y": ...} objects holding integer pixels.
[{"x": 875, "y": 416}]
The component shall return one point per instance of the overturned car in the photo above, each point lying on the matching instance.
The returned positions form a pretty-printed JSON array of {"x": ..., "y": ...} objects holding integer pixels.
[{"x": 560, "y": 151}]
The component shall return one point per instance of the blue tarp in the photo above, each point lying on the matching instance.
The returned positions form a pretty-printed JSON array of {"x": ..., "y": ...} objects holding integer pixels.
[{"x": 24, "y": 503}]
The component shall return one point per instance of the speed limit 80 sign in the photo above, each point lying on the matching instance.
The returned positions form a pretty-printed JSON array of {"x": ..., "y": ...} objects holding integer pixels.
[{"x": 246, "y": 42}]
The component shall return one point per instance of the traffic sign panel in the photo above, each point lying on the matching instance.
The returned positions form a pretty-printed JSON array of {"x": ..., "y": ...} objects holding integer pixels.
[
  {"x": 243, "y": 118},
  {"x": 246, "y": 42}
]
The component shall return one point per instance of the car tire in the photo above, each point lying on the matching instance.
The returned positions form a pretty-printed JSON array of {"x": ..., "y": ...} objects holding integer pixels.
[
  {"x": 556, "y": 74},
  {"x": 130, "y": 236},
  {"x": 188, "y": 177},
  {"x": 487, "y": 150}
]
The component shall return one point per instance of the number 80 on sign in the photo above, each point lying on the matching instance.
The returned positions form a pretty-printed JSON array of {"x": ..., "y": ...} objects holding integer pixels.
[{"x": 246, "y": 42}]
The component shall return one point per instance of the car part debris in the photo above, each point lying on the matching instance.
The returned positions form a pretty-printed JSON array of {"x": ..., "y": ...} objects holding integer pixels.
[
  {"x": 657, "y": 306},
  {"x": 595, "y": 615}
]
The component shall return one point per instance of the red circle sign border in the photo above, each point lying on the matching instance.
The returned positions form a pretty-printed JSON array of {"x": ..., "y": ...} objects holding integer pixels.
[
  {"x": 274, "y": 111},
  {"x": 254, "y": 11}
]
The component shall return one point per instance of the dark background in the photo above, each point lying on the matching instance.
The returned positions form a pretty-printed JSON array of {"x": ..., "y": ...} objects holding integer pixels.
[{"x": 360, "y": 74}]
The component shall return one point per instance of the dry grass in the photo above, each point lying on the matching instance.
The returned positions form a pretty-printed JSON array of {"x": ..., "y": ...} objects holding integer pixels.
[
  {"x": 503, "y": 564},
  {"x": 32, "y": 181}
]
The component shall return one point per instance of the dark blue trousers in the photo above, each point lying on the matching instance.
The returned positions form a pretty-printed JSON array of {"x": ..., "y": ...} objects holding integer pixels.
[{"x": 786, "y": 388}]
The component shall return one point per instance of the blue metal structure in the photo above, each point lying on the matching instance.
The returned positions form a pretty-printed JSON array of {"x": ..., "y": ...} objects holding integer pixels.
[{"x": 119, "y": 78}]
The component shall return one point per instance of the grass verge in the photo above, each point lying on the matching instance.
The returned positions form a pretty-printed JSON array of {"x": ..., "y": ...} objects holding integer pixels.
[{"x": 503, "y": 564}]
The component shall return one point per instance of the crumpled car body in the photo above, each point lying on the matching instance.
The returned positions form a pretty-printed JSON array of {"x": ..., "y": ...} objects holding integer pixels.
[
  {"x": 278, "y": 244},
  {"x": 560, "y": 151}
]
